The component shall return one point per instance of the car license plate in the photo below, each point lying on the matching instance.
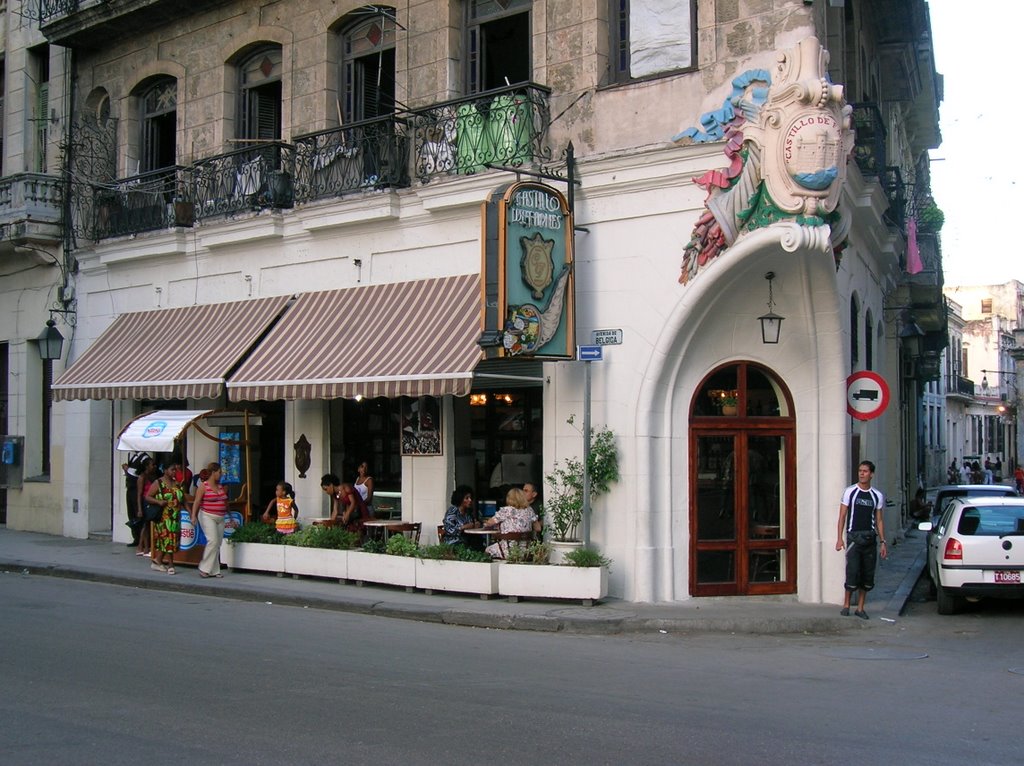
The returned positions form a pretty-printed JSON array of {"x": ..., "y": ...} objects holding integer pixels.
[{"x": 1006, "y": 575}]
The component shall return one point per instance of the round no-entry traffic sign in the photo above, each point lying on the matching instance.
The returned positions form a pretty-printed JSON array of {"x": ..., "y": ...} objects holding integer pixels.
[{"x": 867, "y": 395}]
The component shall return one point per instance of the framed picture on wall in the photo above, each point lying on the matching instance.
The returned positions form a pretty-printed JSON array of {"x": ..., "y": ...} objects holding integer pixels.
[{"x": 421, "y": 426}]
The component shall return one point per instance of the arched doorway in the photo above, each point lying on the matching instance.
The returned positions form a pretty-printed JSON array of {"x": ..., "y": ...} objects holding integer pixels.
[{"x": 742, "y": 484}]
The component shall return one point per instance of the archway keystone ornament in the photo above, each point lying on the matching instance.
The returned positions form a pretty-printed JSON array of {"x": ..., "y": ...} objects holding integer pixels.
[{"x": 788, "y": 137}]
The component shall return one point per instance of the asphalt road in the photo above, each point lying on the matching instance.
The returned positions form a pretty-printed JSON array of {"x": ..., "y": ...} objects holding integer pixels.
[{"x": 93, "y": 673}]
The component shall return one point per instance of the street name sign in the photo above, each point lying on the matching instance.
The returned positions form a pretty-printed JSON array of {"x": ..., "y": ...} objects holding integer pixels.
[{"x": 607, "y": 337}]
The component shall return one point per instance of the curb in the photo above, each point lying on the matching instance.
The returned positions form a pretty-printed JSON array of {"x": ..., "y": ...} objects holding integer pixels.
[{"x": 560, "y": 619}]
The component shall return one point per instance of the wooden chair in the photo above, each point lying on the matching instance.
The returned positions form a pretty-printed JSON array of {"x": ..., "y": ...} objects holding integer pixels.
[
  {"x": 410, "y": 529},
  {"x": 440, "y": 533},
  {"x": 512, "y": 537}
]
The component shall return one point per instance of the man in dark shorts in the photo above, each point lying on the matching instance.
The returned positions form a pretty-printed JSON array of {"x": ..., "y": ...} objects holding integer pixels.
[{"x": 860, "y": 527}]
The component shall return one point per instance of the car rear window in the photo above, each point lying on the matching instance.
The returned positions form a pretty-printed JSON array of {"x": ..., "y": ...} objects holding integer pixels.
[
  {"x": 950, "y": 494},
  {"x": 991, "y": 520}
]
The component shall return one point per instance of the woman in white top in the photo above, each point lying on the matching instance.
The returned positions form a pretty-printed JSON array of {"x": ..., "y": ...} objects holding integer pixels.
[{"x": 364, "y": 484}]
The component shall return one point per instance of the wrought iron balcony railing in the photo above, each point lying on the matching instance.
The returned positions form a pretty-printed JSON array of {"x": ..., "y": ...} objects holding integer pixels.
[
  {"x": 244, "y": 179},
  {"x": 507, "y": 127},
  {"x": 144, "y": 202},
  {"x": 958, "y": 385},
  {"x": 372, "y": 154},
  {"x": 502, "y": 127},
  {"x": 869, "y": 141},
  {"x": 51, "y": 10}
]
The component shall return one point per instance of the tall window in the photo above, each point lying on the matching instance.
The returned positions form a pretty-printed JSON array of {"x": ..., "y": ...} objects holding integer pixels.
[
  {"x": 368, "y": 66},
  {"x": 260, "y": 107},
  {"x": 498, "y": 44},
  {"x": 38, "y": 71},
  {"x": 854, "y": 332},
  {"x": 159, "y": 125},
  {"x": 869, "y": 342},
  {"x": 2, "y": 78},
  {"x": 651, "y": 37}
]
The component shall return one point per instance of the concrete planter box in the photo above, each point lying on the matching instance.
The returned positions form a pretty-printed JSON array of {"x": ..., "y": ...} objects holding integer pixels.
[
  {"x": 458, "y": 576},
  {"x": 586, "y": 584},
  {"x": 316, "y": 562},
  {"x": 257, "y": 556},
  {"x": 381, "y": 568}
]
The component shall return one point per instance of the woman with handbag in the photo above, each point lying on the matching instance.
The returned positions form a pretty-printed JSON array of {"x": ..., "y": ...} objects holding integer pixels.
[
  {"x": 166, "y": 493},
  {"x": 211, "y": 507}
]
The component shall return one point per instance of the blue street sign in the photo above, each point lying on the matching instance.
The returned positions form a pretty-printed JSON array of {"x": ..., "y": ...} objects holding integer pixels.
[{"x": 590, "y": 353}]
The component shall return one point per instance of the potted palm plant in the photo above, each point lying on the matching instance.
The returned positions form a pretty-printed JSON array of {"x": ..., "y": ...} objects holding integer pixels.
[{"x": 563, "y": 506}]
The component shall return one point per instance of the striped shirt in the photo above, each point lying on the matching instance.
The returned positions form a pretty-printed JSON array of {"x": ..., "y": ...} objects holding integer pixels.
[{"x": 215, "y": 502}]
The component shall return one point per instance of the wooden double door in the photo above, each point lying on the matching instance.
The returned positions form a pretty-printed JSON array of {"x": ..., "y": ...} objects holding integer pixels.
[{"x": 743, "y": 492}]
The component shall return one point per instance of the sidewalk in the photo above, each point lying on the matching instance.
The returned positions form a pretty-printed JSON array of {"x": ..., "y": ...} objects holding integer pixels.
[{"x": 29, "y": 553}]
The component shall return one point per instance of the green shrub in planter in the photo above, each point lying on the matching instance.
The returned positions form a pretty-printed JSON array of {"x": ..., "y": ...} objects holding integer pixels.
[
  {"x": 317, "y": 536},
  {"x": 535, "y": 552},
  {"x": 257, "y": 532},
  {"x": 586, "y": 557},
  {"x": 445, "y": 552},
  {"x": 374, "y": 546},
  {"x": 400, "y": 545}
]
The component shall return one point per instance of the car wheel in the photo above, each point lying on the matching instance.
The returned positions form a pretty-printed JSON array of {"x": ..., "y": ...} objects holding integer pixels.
[{"x": 948, "y": 603}]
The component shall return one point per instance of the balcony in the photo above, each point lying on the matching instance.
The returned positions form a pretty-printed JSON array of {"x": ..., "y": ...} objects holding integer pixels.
[
  {"x": 95, "y": 23},
  {"x": 869, "y": 140},
  {"x": 365, "y": 155},
  {"x": 141, "y": 203},
  {"x": 252, "y": 178},
  {"x": 960, "y": 387},
  {"x": 505, "y": 127},
  {"x": 31, "y": 208}
]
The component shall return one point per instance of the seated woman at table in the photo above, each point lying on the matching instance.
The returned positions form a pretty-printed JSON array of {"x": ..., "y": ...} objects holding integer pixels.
[
  {"x": 347, "y": 507},
  {"x": 459, "y": 516},
  {"x": 515, "y": 516}
]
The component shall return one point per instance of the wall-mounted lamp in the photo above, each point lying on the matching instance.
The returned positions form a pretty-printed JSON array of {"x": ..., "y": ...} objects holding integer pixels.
[
  {"x": 911, "y": 335},
  {"x": 771, "y": 323},
  {"x": 51, "y": 342}
]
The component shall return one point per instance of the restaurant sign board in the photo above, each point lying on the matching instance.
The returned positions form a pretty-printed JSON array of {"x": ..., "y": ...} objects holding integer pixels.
[{"x": 528, "y": 281}]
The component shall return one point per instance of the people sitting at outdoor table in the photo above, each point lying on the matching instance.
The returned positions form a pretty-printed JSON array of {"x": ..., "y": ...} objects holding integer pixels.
[
  {"x": 515, "y": 516},
  {"x": 347, "y": 507},
  {"x": 459, "y": 516}
]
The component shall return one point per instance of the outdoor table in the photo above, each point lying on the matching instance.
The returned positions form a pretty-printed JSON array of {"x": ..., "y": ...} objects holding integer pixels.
[
  {"x": 485, "y": 533},
  {"x": 378, "y": 528}
]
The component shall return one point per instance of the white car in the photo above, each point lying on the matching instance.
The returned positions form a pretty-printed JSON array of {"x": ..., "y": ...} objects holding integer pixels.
[{"x": 976, "y": 550}]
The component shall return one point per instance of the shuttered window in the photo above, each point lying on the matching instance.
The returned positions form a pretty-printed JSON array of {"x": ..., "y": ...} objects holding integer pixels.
[{"x": 260, "y": 117}]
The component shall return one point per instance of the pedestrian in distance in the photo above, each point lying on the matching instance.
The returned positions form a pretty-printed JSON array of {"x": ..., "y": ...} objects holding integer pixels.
[
  {"x": 131, "y": 469},
  {"x": 860, "y": 527},
  {"x": 210, "y": 507},
  {"x": 145, "y": 511}
]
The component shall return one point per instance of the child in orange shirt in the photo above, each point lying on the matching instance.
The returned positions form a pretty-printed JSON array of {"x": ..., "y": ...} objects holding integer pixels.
[{"x": 282, "y": 509}]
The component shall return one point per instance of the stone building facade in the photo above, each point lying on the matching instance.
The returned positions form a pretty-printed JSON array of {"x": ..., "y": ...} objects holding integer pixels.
[{"x": 242, "y": 152}]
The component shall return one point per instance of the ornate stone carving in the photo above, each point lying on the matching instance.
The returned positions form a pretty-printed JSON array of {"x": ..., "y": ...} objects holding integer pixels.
[{"x": 788, "y": 138}]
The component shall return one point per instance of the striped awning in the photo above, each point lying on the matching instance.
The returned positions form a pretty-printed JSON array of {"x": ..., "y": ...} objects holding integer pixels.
[
  {"x": 174, "y": 353},
  {"x": 400, "y": 339}
]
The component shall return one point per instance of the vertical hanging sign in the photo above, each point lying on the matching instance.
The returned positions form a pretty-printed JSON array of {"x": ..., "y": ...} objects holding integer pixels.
[{"x": 529, "y": 297}]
